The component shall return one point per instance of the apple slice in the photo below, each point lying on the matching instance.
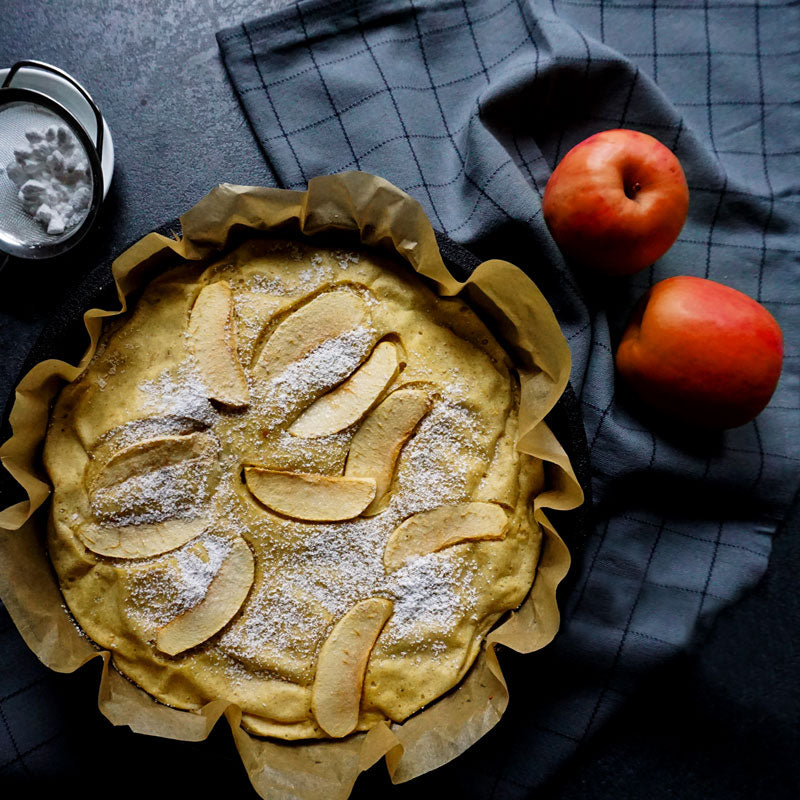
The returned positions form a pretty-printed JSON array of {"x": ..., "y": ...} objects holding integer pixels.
[
  {"x": 140, "y": 541},
  {"x": 225, "y": 596},
  {"x": 378, "y": 442},
  {"x": 325, "y": 317},
  {"x": 317, "y": 498},
  {"x": 146, "y": 456},
  {"x": 339, "y": 682},
  {"x": 431, "y": 531},
  {"x": 346, "y": 404},
  {"x": 213, "y": 336},
  {"x": 177, "y": 491}
]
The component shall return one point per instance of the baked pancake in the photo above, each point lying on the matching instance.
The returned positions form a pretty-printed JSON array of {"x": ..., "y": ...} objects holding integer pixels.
[{"x": 289, "y": 480}]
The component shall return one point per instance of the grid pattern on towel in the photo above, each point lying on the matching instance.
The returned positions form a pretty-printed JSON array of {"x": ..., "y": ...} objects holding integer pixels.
[
  {"x": 468, "y": 106},
  {"x": 32, "y": 729}
]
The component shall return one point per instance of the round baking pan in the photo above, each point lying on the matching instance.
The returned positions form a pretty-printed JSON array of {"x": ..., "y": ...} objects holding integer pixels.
[{"x": 59, "y": 734}]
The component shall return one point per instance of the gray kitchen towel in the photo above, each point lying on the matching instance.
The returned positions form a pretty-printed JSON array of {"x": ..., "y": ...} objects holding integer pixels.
[{"x": 468, "y": 106}]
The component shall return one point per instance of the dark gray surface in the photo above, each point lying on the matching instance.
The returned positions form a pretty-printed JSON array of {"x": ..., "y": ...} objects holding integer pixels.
[{"x": 721, "y": 722}]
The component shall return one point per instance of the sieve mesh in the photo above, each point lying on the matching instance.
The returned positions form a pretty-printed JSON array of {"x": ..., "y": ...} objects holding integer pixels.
[{"x": 17, "y": 227}]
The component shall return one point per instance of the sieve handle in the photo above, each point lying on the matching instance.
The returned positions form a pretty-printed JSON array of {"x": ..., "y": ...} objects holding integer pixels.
[{"x": 69, "y": 79}]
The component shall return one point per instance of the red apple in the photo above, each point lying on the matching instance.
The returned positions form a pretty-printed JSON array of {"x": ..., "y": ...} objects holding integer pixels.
[
  {"x": 702, "y": 352},
  {"x": 616, "y": 202}
]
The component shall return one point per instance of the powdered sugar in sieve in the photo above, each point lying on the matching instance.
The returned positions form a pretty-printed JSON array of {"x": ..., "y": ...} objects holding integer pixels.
[{"x": 46, "y": 182}]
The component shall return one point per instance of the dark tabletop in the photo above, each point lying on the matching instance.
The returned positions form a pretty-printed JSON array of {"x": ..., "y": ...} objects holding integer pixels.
[{"x": 720, "y": 721}]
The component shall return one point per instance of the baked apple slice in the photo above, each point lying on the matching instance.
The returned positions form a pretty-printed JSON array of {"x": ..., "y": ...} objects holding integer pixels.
[
  {"x": 445, "y": 526},
  {"x": 225, "y": 596},
  {"x": 327, "y": 316},
  {"x": 378, "y": 442},
  {"x": 213, "y": 337},
  {"x": 316, "y": 498},
  {"x": 146, "y": 456},
  {"x": 339, "y": 681},
  {"x": 348, "y": 402},
  {"x": 140, "y": 541},
  {"x": 148, "y": 497}
]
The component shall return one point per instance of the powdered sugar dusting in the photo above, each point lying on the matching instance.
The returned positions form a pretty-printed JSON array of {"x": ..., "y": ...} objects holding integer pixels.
[
  {"x": 171, "y": 585},
  {"x": 176, "y": 491},
  {"x": 317, "y": 273},
  {"x": 327, "y": 569},
  {"x": 430, "y": 595},
  {"x": 344, "y": 258},
  {"x": 434, "y": 467},
  {"x": 181, "y": 393},
  {"x": 307, "y": 455},
  {"x": 319, "y": 370},
  {"x": 278, "y": 619},
  {"x": 138, "y": 430},
  {"x": 333, "y": 568},
  {"x": 261, "y": 284}
]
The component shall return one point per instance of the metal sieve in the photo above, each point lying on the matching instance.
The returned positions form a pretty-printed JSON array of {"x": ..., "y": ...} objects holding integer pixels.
[{"x": 22, "y": 110}]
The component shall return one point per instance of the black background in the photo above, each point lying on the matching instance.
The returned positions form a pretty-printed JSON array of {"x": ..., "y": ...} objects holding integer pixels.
[{"x": 722, "y": 721}]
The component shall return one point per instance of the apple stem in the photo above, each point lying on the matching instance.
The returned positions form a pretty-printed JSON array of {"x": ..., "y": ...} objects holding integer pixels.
[{"x": 632, "y": 191}]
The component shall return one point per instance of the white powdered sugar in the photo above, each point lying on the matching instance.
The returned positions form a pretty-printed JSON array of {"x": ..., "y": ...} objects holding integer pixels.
[
  {"x": 430, "y": 594},
  {"x": 138, "y": 430},
  {"x": 261, "y": 284},
  {"x": 434, "y": 467},
  {"x": 194, "y": 574},
  {"x": 319, "y": 370},
  {"x": 172, "y": 492},
  {"x": 53, "y": 178},
  {"x": 344, "y": 258},
  {"x": 307, "y": 454},
  {"x": 318, "y": 272},
  {"x": 183, "y": 394},
  {"x": 336, "y": 567},
  {"x": 276, "y": 618},
  {"x": 327, "y": 364},
  {"x": 333, "y": 566},
  {"x": 178, "y": 582}
]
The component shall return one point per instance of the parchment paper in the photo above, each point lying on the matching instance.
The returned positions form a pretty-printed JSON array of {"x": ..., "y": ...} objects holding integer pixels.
[{"x": 506, "y": 299}]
